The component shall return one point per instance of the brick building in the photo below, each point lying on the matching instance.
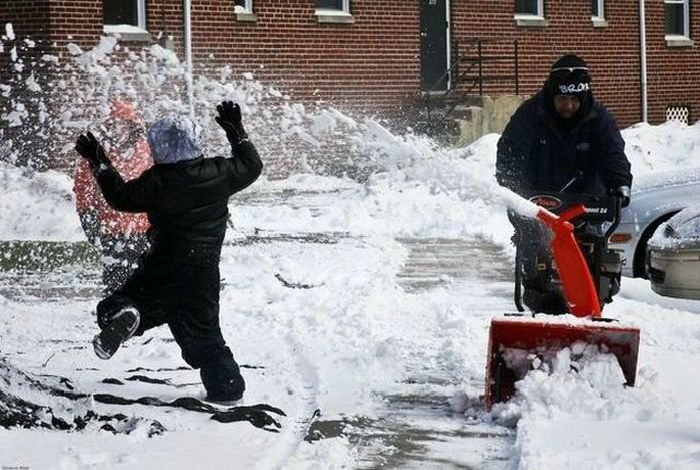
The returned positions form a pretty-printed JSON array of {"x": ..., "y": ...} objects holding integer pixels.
[{"x": 381, "y": 56}]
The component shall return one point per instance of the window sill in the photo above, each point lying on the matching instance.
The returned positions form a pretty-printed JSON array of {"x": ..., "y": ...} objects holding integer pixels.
[
  {"x": 126, "y": 32},
  {"x": 679, "y": 41},
  {"x": 246, "y": 16},
  {"x": 599, "y": 22},
  {"x": 530, "y": 21},
  {"x": 334, "y": 16}
]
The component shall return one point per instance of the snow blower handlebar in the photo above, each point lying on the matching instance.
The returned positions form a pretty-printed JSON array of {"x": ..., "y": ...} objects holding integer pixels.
[{"x": 575, "y": 276}]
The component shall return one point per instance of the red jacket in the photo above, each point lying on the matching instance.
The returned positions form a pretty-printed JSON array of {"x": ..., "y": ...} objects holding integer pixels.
[{"x": 88, "y": 196}]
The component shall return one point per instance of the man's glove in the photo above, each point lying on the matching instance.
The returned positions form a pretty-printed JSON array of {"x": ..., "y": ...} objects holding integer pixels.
[
  {"x": 229, "y": 119},
  {"x": 90, "y": 149},
  {"x": 623, "y": 192}
]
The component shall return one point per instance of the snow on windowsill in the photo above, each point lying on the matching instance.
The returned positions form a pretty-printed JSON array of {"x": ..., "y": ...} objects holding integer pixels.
[
  {"x": 673, "y": 40},
  {"x": 529, "y": 20},
  {"x": 333, "y": 16},
  {"x": 251, "y": 17},
  {"x": 599, "y": 22},
  {"x": 127, "y": 32},
  {"x": 243, "y": 14}
]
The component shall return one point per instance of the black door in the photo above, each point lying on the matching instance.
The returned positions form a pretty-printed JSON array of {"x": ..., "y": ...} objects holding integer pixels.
[{"x": 433, "y": 44}]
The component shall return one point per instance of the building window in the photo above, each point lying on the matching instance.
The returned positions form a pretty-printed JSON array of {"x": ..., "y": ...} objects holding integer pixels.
[
  {"x": 244, "y": 11},
  {"x": 598, "y": 13},
  {"x": 244, "y": 6},
  {"x": 529, "y": 7},
  {"x": 339, "y": 5},
  {"x": 677, "y": 23},
  {"x": 333, "y": 11},
  {"x": 530, "y": 13},
  {"x": 124, "y": 12},
  {"x": 597, "y": 9}
]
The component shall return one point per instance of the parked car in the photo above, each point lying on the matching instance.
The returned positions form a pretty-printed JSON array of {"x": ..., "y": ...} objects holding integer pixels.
[
  {"x": 655, "y": 199},
  {"x": 674, "y": 256}
]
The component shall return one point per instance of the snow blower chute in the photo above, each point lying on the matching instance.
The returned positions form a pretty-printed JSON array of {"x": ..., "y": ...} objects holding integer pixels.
[{"x": 545, "y": 334}]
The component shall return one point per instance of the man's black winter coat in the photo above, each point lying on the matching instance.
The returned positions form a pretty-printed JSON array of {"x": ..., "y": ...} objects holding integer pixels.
[
  {"x": 536, "y": 153},
  {"x": 186, "y": 202}
]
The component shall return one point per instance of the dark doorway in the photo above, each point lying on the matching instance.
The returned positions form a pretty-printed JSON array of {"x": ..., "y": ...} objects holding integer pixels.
[{"x": 433, "y": 44}]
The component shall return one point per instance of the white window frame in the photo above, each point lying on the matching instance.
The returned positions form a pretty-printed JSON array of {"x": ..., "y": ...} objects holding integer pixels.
[
  {"x": 686, "y": 20},
  {"x": 528, "y": 19},
  {"x": 245, "y": 12},
  {"x": 334, "y": 15},
  {"x": 601, "y": 10},
  {"x": 138, "y": 29},
  {"x": 539, "y": 14},
  {"x": 246, "y": 8},
  {"x": 599, "y": 19},
  {"x": 345, "y": 8}
]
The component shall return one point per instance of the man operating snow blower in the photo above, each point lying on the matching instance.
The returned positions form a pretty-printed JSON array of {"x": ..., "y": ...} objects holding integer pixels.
[
  {"x": 563, "y": 151},
  {"x": 560, "y": 140},
  {"x": 177, "y": 282}
]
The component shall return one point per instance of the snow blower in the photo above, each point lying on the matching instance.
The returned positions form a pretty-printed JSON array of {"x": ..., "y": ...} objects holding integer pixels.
[{"x": 585, "y": 280}]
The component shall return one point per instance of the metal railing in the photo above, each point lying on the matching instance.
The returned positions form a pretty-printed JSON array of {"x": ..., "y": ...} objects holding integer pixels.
[{"x": 476, "y": 63}]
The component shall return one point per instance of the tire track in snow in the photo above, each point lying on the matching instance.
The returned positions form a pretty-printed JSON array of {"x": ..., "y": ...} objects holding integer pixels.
[{"x": 308, "y": 408}]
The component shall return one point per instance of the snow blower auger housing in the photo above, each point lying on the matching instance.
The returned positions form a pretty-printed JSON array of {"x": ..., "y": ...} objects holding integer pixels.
[{"x": 585, "y": 281}]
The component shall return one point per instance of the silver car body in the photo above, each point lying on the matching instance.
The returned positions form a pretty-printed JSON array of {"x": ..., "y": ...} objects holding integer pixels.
[
  {"x": 655, "y": 199},
  {"x": 674, "y": 256}
]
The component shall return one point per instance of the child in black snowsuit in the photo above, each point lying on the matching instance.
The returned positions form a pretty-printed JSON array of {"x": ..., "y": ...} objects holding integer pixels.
[{"x": 177, "y": 281}]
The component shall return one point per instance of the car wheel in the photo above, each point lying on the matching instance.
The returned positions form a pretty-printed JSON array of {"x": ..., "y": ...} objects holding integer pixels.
[{"x": 640, "y": 253}]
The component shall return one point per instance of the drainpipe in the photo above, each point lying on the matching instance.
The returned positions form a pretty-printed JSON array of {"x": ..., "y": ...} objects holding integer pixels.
[
  {"x": 448, "y": 32},
  {"x": 643, "y": 59},
  {"x": 187, "y": 7}
]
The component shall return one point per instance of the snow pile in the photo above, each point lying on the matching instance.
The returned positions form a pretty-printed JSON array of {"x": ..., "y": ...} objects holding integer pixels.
[
  {"x": 417, "y": 189},
  {"x": 37, "y": 205},
  {"x": 39, "y": 402},
  {"x": 575, "y": 412},
  {"x": 665, "y": 147},
  {"x": 573, "y": 380}
]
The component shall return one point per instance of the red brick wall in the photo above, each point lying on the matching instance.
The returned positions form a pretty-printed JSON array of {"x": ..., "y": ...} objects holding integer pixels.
[
  {"x": 29, "y": 18},
  {"x": 374, "y": 64},
  {"x": 77, "y": 21},
  {"x": 611, "y": 52},
  {"x": 371, "y": 64},
  {"x": 166, "y": 17},
  {"x": 673, "y": 73}
]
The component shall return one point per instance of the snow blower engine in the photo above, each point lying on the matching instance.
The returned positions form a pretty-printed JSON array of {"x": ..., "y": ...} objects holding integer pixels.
[
  {"x": 578, "y": 278},
  {"x": 604, "y": 264}
]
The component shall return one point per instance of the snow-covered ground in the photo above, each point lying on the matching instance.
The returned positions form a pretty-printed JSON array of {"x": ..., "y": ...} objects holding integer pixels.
[{"x": 315, "y": 307}]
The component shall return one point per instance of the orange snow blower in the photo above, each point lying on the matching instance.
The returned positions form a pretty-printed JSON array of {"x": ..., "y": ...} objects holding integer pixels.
[{"x": 585, "y": 280}]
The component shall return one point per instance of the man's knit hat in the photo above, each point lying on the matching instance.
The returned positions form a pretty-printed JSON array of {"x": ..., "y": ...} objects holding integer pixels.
[
  {"x": 569, "y": 76},
  {"x": 174, "y": 139}
]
